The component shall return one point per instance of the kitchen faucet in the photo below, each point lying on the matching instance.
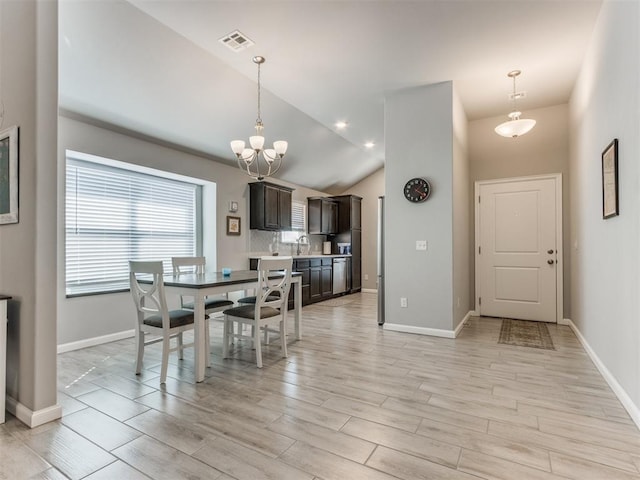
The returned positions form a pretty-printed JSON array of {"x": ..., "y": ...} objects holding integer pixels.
[{"x": 298, "y": 252}]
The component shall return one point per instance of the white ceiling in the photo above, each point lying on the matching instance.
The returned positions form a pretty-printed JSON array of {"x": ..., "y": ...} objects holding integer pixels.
[{"x": 156, "y": 68}]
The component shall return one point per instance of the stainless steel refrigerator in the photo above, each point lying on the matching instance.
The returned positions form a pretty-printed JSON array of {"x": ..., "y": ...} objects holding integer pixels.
[{"x": 380, "y": 260}]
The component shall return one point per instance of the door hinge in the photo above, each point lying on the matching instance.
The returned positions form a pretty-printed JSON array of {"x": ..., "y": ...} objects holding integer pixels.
[
  {"x": 479, "y": 300},
  {"x": 479, "y": 250},
  {"x": 478, "y": 198}
]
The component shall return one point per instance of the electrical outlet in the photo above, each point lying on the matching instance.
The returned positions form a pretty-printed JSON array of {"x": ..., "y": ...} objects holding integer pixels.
[
  {"x": 458, "y": 303},
  {"x": 421, "y": 244},
  {"x": 403, "y": 302},
  {"x": 366, "y": 276}
]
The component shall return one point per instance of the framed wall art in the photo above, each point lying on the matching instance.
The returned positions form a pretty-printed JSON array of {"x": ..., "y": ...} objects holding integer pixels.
[
  {"x": 233, "y": 225},
  {"x": 610, "y": 207},
  {"x": 9, "y": 175}
]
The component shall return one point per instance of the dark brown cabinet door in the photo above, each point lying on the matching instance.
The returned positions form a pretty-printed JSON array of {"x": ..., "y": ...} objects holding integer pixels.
[
  {"x": 270, "y": 206},
  {"x": 329, "y": 217},
  {"x": 284, "y": 210},
  {"x": 315, "y": 284},
  {"x": 326, "y": 282}
]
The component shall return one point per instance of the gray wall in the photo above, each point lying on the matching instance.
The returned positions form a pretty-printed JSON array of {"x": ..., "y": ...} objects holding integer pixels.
[
  {"x": 543, "y": 150},
  {"x": 86, "y": 317},
  {"x": 418, "y": 143},
  {"x": 29, "y": 89},
  {"x": 605, "y": 253}
]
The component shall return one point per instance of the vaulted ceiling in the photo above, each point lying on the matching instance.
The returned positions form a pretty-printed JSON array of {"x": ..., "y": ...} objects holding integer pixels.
[{"x": 157, "y": 68}]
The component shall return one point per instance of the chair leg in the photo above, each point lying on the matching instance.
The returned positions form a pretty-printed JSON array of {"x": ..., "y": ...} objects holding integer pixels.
[
  {"x": 283, "y": 337},
  {"x": 225, "y": 337},
  {"x": 165, "y": 358},
  {"x": 180, "y": 347},
  {"x": 140, "y": 350},
  {"x": 257, "y": 345}
]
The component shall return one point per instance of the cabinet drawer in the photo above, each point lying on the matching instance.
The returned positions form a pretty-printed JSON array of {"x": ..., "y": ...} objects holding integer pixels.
[
  {"x": 302, "y": 264},
  {"x": 327, "y": 262},
  {"x": 315, "y": 262}
]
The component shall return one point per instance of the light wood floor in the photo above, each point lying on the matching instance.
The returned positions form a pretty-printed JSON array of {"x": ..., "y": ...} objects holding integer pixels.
[{"x": 352, "y": 401}]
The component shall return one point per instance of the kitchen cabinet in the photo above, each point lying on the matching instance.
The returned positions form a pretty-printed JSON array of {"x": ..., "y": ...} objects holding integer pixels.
[
  {"x": 322, "y": 216},
  {"x": 317, "y": 278},
  {"x": 270, "y": 206},
  {"x": 350, "y": 226},
  {"x": 320, "y": 279}
]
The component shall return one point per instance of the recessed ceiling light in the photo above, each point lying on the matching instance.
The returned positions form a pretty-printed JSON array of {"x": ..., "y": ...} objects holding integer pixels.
[
  {"x": 340, "y": 125},
  {"x": 369, "y": 145}
]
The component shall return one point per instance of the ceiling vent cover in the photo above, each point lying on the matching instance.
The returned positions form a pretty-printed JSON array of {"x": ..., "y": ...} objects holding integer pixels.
[{"x": 236, "y": 41}]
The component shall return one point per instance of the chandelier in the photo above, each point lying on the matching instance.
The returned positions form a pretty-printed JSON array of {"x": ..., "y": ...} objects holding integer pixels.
[
  {"x": 250, "y": 159},
  {"x": 515, "y": 126}
]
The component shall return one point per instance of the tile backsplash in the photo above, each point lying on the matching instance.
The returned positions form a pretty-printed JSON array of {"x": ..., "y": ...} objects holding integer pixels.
[{"x": 262, "y": 241}]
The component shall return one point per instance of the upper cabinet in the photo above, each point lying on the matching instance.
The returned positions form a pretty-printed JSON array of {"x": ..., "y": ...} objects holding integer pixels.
[
  {"x": 322, "y": 216},
  {"x": 270, "y": 206},
  {"x": 349, "y": 212}
]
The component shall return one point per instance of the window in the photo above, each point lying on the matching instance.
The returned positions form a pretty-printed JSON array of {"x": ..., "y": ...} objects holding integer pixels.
[
  {"x": 114, "y": 215},
  {"x": 298, "y": 222}
]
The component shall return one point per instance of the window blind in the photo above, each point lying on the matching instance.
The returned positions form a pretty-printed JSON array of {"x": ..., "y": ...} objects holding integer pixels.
[
  {"x": 115, "y": 215},
  {"x": 298, "y": 216}
]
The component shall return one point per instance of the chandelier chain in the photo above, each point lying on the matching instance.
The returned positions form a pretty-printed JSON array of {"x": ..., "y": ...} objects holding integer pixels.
[{"x": 259, "y": 119}]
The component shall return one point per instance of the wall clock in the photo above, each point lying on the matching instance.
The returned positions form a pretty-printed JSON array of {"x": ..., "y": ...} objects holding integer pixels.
[{"x": 417, "y": 190}]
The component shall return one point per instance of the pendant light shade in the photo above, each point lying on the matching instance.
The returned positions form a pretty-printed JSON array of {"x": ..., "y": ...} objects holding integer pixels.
[{"x": 515, "y": 126}]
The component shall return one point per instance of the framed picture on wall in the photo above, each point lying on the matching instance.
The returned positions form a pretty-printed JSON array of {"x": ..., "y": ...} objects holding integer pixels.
[
  {"x": 9, "y": 175},
  {"x": 233, "y": 225},
  {"x": 610, "y": 206}
]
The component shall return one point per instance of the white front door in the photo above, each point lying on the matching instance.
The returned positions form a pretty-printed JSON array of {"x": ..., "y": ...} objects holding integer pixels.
[{"x": 518, "y": 248}]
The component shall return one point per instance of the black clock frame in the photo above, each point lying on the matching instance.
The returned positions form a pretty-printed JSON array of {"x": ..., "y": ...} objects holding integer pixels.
[{"x": 415, "y": 185}]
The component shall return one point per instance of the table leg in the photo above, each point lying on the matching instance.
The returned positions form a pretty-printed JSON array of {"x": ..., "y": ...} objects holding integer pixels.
[
  {"x": 199, "y": 336},
  {"x": 297, "y": 309}
]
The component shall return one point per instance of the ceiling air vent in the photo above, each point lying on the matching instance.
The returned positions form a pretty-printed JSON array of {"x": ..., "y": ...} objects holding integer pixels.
[{"x": 236, "y": 41}]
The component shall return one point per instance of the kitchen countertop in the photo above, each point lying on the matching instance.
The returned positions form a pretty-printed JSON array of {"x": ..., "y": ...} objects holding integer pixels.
[{"x": 311, "y": 255}]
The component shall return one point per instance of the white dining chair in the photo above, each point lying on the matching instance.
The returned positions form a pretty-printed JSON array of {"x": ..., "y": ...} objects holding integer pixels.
[
  {"x": 212, "y": 305},
  {"x": 154, "y": 317},
  {"x": 269, "y": 308}
]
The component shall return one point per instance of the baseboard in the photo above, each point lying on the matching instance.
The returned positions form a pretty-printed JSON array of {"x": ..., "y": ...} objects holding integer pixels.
[
  {"x": 369, "y": 290},
  {"x": 29, "y": 417},
  {"x": 92, "y": 342},
  {"x": 433, "y": 332},
  {"x": 627, "y": 403},
  {"x": 460, "y": 326},
  {"x": 564, "y": 321}
]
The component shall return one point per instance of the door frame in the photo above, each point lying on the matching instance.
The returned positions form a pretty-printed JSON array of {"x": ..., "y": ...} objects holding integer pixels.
[{"x": 557, "y": 177}]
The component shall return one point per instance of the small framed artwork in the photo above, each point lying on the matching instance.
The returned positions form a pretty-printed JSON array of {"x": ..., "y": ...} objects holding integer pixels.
[
  {"x": 233, "y": 225},
  {"x": 9, "y": 175},
  {"x": 610, "y": 206}
]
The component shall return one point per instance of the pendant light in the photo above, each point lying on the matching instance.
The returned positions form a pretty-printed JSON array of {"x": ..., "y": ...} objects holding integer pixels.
[
  {"x": 515, "y": 126},
  {"x": 250, "y": 159}
]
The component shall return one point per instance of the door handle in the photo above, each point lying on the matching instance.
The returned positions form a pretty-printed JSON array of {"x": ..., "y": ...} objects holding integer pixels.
[
  {"x": 550, "y": 262},
  {"x": 550, "y": 251}
]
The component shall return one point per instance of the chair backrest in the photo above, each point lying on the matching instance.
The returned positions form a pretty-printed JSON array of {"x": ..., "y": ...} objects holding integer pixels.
[
  {"x": 148, "y": 297},
  {"x": 274, "y": 287},
  {"x": 191, "y": 264}
]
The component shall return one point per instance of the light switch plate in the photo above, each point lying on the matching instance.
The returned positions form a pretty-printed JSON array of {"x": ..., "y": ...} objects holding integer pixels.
[{"x": 421, "y": 244}]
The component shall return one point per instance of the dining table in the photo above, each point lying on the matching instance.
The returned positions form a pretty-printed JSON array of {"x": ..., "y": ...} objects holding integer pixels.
[{"x": 199, "y": 286}]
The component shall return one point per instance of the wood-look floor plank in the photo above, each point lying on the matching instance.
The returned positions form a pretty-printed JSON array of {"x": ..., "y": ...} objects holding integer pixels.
[
  {"x": 162, "y": 462},
  {"x": 244, "y": 463},
  {"x": 117, "y": 470},
  {"x": 580, "y": 469},
  {"x": 99, "y": 428},
  {"x": 434, "y": 450},
  {"x": 493, "y": 468},
  {"x": 69, "y": 452},
  {"x": 407, "y": 467},
  {"x": 346, "y": 446},
  {"x": 112, "y": 404}
]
